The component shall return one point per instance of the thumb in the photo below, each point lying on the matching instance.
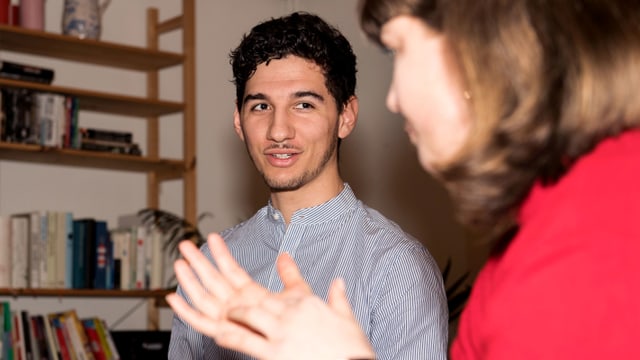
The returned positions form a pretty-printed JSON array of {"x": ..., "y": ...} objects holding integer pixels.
[{"x": 337, "y": 298}]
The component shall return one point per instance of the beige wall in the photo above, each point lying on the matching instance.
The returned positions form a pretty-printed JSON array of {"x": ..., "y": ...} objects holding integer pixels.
[{"x": 377, "y": 159}]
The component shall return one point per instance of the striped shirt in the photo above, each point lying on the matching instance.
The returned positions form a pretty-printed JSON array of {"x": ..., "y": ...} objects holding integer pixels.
[{"x": 393, "y": 284}]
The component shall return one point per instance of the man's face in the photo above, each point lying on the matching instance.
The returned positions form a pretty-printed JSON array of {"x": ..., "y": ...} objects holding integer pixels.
[{"x": 290, "y": 123}]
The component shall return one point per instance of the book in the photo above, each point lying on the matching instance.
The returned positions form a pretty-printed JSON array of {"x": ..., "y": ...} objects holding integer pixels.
[
  {"x": 27, "y": 336},
  {"x": 19, "y": 250},
  {"x": 102, "y": 328},
  {"x": 125, "y": 149},
  {"x": 102, "y": 243},
  {"x": 95, "y": 343},
  {"x": 125, "y": 137},
  {"x": 17, "y": 337},
  {"x": 62, "y": 243},
  {"x": 19, "y": 123},
  {"x": 51, "y": 337},
  {"x": 102, "y": 336},
  {"x": 62, "y": 338},
  {"x": 52, "y": 240},
  {"x": 68, "y": 236},
  {"x": 76, "y": 334},
  {"x": 139, "y": 234},
  {"x": 122, "y": 259},
  {"x": 24, "y": 72},
  {"x": 49, "y": 110},
  {"x": 35, "y": 248},
  {"x": 39, "y": 340},
  {"x": 79, "y": 263},
  {"x": 6, "y": 348},
  {"x": 5, "y": 256},
  {"x": 89, "y": 259}
]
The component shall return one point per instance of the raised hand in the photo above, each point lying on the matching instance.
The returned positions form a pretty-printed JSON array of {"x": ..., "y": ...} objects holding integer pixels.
[{"x": 242, "y": 315}]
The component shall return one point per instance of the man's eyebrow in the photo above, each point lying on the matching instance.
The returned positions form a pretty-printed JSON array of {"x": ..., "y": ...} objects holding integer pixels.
[
  {"x": 313, "y": 94},
  {"x": 258, "y": 96}
]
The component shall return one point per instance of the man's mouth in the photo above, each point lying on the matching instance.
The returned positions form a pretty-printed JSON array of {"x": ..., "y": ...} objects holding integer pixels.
[{"x": 281, "y": 156}]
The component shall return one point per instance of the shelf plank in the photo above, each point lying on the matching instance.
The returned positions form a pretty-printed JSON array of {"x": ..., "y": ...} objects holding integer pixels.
[
  {"x": 17, "y": 39},
  {"x": 85, "y": 293},
  {"x": 104, "y": 102},
  {"x": 165, "y": 168}
]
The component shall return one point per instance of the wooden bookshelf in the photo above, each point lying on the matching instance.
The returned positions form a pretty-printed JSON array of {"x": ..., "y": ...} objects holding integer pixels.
[
  {"x": 34, "y": 42},
  {"x": 149, "y": 60},
  {"x": 104, "y": 102},
  {"x": 163, "y": 168},
  {"x": 84, "y": 293}
]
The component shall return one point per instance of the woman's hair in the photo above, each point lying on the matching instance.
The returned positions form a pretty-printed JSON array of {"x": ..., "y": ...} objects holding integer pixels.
[
  {"x": 549, "y": 79},
  {"x": 299, "y": 34}
]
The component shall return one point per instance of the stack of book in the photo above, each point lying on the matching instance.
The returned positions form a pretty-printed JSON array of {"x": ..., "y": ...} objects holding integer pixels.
[
  {"x": 119, "y": 142},
  {"x": 58, "y": 336},
  {"x": 24, "y": 72},
  {"x": 52, "y": 249}
]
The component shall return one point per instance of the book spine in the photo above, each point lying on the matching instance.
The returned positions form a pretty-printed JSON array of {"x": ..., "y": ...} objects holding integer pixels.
[
  {"x": 94, "y": 339},
  {"x": 26, "y": 335},
  {"x": 102, "y": 241},
  {"x": 115, "y": 355},
  {"x": 5, "y": 255},
  {"x": 100, "y": 330},
  {"x": 52, "y": 342},
  {"x": 140, "y": 259},
  {"x": 62, "y": 338},
  {"x": 69, "y": 270},
  {"x": 35, "y": 249},
  {"x": 107, "y": 135},
  {"x": 26, "y": 72},
  {"x": 52, "y": 231},
  {"x": 78, "y": 260},
  {"x": 61, "y": 250},
  {"x": 19, "y": 251}
]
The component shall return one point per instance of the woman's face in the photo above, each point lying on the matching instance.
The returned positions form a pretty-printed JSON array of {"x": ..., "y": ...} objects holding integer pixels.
[{"x": 426, "y": 89}]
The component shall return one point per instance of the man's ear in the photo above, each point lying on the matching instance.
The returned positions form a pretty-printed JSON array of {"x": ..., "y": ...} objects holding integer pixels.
[
  {"x": 237, "y": 126},
  {"x": 348, "y": 117}
]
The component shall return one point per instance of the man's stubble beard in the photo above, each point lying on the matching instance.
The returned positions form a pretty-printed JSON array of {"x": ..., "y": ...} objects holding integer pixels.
[{"x": 306, "y": 177}]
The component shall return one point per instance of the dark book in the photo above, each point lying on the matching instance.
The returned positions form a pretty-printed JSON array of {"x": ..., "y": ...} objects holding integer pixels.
[
  {"x": 78, "y": 262},
  {"x": 26, "y": 334},
  {"x": 107, "y": 135},
  {"x": 19, "y": 124},
  {"x": 40, "y": 337},
  {"x": 17, "y": 71},
  {"x": 102, "y": 244},
  {"x": 126, "y": 149},
  {"x": 88, "y": 240}
]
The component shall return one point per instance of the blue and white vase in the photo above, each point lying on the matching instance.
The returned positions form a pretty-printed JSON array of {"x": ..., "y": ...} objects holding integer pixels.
[{"x": 81, "y": 18}]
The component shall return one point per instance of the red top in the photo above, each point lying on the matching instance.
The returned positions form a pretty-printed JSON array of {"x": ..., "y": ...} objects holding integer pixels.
[{"x": 568, "y": 285}]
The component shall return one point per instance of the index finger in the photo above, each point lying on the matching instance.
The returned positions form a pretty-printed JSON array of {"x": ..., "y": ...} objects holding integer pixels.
[{"x": 227, "y": 265}]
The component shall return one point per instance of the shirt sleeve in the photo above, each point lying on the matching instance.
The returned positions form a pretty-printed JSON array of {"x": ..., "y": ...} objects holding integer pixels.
[{"x": 410, "y": 319}]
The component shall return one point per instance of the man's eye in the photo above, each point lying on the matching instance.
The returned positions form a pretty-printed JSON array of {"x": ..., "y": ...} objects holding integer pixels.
[
  {"x": 304, "y": 106},
  {"x": 260, "y": 107}
]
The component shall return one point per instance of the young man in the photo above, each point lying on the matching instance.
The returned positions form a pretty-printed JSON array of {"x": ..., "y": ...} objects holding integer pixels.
[{"x": 295, "y": 80}]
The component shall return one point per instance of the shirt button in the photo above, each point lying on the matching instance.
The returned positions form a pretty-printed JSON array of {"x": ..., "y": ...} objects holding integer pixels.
[{"x": 276, "y": 217}]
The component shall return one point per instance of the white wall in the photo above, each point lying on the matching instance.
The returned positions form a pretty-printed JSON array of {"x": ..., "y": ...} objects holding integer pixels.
[{"x": 377, "y": 159}]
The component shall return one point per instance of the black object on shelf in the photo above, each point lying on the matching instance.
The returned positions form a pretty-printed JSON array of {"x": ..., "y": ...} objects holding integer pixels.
[{"x": 134, "y": 345}]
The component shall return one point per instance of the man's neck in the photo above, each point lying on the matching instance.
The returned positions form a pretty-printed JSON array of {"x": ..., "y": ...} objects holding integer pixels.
[{"x": 313, "y": 194}]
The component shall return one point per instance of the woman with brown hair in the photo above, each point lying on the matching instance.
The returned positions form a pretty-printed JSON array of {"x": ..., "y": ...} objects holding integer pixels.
[{"x": 528, "y": 113}]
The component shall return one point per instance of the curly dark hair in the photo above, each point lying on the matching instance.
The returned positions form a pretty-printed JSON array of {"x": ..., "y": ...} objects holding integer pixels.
[{"x": 300, "y": 34}]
